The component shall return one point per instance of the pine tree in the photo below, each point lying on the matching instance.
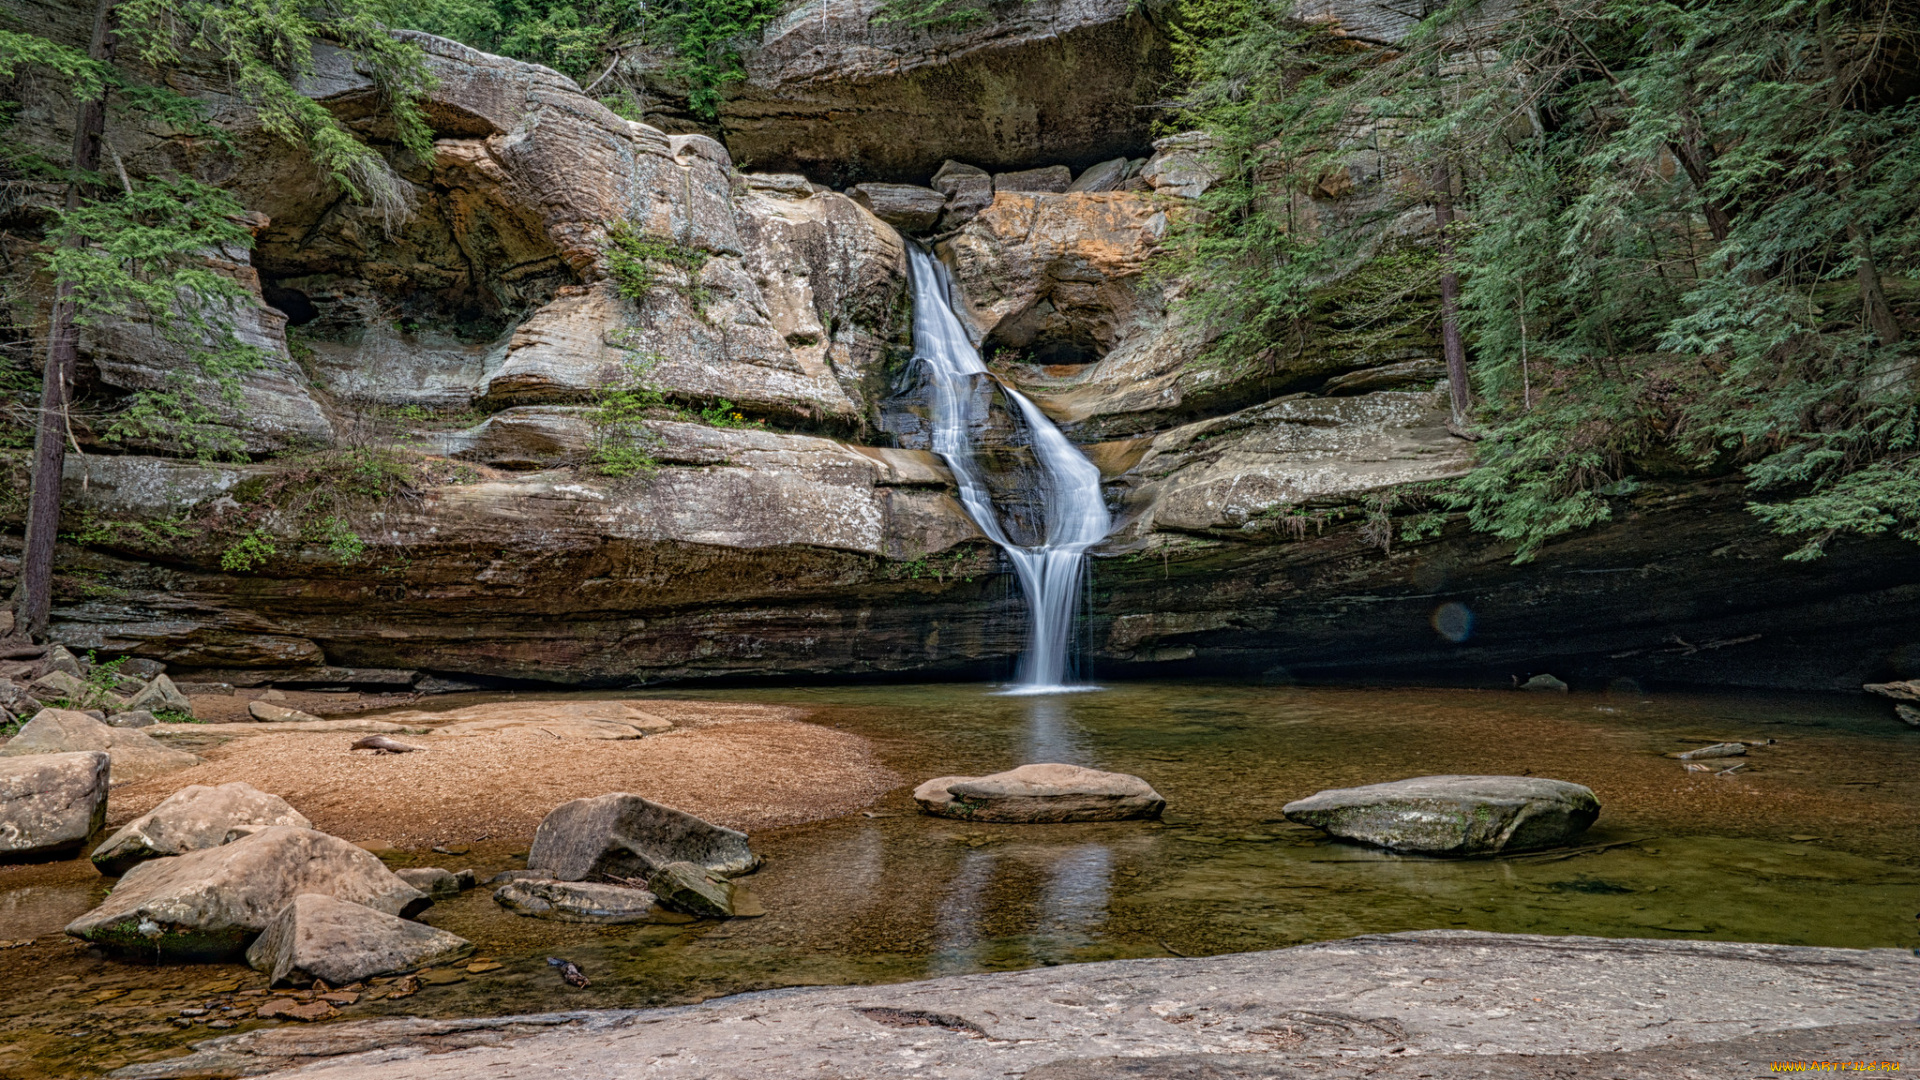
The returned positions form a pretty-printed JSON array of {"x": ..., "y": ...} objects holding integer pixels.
[{"x": 136, "y": 249}]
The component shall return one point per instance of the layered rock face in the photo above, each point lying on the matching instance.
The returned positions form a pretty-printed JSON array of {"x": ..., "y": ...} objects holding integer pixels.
[
  {"x": 835, "y": 90},
  {"x": 1262, "y": 520}
]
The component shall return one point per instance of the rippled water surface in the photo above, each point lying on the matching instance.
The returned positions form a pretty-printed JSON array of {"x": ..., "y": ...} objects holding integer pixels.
[{"x": 1815, "y": 841}]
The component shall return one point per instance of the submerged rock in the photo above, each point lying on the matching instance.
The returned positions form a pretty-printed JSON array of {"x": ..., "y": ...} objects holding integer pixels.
[
  {"x": 1544, "y": 683},
  {"x": 50, "y": 803},
  {"x": 1453, "y": 815},
  {"x": 340, "y": 942},
  {"x": 622, "y": 835},
  {"x": 192, "y": 819},
  {"x": 1717, "y": 750},
  {"x": 692, "y": 890},
  {"x": 135, "y": 754},
  {"x": 1041, "y": 793},
  {"x": 434, "y": 881},
  {"x": 211, "y": 903},
  {"x": 577, "y": 901}
]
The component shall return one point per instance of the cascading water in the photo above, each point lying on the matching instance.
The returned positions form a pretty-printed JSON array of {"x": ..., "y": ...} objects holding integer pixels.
[{"x": 1075, "y": 513}]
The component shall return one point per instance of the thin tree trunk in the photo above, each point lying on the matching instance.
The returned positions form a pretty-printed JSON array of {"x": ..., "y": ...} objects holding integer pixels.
[
  {"x": 1455, "y": 349},
  {"x": 1874, "y": 308},
  {"x": 49, "y": 443}
]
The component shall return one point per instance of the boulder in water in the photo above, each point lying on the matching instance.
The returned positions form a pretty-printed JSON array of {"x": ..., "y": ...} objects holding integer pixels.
[
  {"x": 51, "y": 803},
  {"x": 577, "y": 901},
  {"x": 906, "y": 207},
  {"x": 1041, "y": 793},
  {"x": 434, "y": 881},
  {"x": 212, "y": 902},
  {"x": 691, "y": 890},
  {"x": 625, "y": 836},
  {"x": 1453, "y": 815},
  {"x": 192, "y": 819},
  {"x": 336, "y": 941}
]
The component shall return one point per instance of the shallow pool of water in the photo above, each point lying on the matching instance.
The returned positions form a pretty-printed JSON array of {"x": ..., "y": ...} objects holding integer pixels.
[{"x": 1815, "y": 841}]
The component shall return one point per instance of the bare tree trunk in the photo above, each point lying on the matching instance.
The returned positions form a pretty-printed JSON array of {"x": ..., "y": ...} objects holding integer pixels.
[
  {"x": 1455, "y": 349},
  {"x": 49, "y": 443},
  {"x": 1874, "y": 308}
]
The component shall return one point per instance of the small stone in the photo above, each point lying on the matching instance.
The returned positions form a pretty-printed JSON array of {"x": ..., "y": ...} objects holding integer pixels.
[
  {"x": 193, "y": 1012},
  {"x": 406, "y": 987},
  {"x": 220, "y": 1025},
  {"x": 1717, "y": 750},
  {"x": 60, "y": 658},
  {"x": 338, "y": 997},
  {"x": 132, "y": 718},
  {"x": 465, "y": 879},
  {"x": 290, "y": 1009},
  {"x": 140, "y": 667},
  {"x": 442, "y": 976},
  {"x": 268, "y": 713},
  {"x": 481, "y": 967},
  {"x": 452, "y": 849},
  {"x": 1544, "y": 684}
]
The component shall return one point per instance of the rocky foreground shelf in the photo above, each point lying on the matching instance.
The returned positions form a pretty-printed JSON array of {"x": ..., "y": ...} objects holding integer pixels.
[{"x": 1439, "y": 1004}]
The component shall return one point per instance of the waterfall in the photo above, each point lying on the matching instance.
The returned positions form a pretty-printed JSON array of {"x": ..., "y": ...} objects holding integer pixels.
[{"x": 1076, "y": 514}]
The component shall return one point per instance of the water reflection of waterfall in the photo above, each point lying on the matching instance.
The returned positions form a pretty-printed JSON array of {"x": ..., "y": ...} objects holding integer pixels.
[
  {"x": 1053, "y": 735},
  {"x": 1076, "y": 514}
]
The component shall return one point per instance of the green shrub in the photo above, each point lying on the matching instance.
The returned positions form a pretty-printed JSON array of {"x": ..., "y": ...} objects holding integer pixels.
[
  {"x": 635, "y": 259},
  {"x": 250, "y": 551}
]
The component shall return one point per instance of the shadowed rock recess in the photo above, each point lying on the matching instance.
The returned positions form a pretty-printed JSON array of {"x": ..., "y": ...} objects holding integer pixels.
[
  {"x": 1446, "y": 1005},
  {"x": 790, "y": 521}
]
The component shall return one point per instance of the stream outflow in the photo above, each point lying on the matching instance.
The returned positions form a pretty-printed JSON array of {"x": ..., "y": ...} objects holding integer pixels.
[{"x": 1076, "y": 514}]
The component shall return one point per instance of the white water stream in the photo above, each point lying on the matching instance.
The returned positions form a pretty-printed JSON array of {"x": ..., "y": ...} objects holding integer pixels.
[{"x": 1076, "y": 514}]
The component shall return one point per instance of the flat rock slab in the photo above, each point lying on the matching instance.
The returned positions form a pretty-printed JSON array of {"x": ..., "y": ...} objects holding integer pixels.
[
  {"x": 350, "y": 726},
  {"x": 340, "y": 942},
  {"x": 561, "y": 719},
  {"x": 51, "y": 803},
  {"x": 136, "y": 756},
  {"x": 191, "y": 819},
  {"x": 268, "y": 713},
  {"x": 1453, "y": 815},
  {"x": 1452, "y": 1004},
  {"x": 579, "y": 901},
  {"x": 1041, "y": 793},
  {"x": 622, "y": 835},
  {"x": 213, "y": 902}
]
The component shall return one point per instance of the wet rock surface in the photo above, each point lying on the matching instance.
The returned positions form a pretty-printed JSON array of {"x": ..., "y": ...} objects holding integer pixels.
[
  {"x": 320, "y": 937},
  {"x": 578, "y": 901},
  {"x": 1041, "y": 793},
  {"x": 1453, "y": 1004},
  {"x": 214, "y": 901},
  {"x": 192, "y": 819},
  {"x": 51, "y": 803},
  {"x": 1453, "y": 815},
  {"x": 693, "y": 890},
  {"x": 621, "y": 835}
]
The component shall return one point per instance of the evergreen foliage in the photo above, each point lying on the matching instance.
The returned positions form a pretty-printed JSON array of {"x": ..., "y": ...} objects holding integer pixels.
[
  {"x": 1690, "y": 234},
  {"x": 583, "y": 39}
]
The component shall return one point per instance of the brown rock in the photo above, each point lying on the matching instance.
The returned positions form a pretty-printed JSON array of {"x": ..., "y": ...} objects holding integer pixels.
[
  {"x": 906, "y": 207},
  {"x": 1041, "y": 793},
  {"x": 320, "y": 938},
  {"x": 623, "y": 836},
  {"x": 1050, "y": 178},
  {"x": 268, "y": 713},
  {"x": 135, "y": 754}
]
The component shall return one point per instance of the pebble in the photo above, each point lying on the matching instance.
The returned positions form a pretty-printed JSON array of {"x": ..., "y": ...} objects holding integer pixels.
[
  {"x": 479, "y": 967},
  {"x": 193, "y": 1012},
  {"x": 220, "y": 1025}
]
